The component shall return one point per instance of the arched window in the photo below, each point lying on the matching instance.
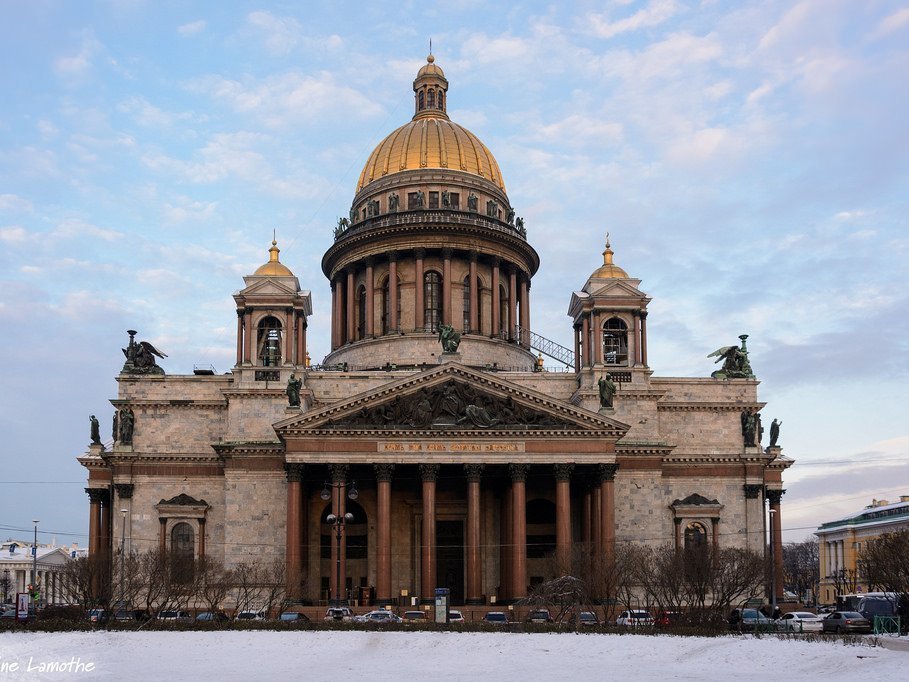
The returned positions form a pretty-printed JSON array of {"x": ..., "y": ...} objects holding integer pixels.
[
  {"x": 421, "y": 105},
  {"x": 615, "y": 342},
  {"x": 441, "y": 96},
  {"x": 182, "y": 552},
  {"x": 386, "y": 307},
  {"x": 356, "y": 538},
  {"x": 432, "y": 301},
  {"x": 361, "y": 312},
  {"x": 269, "y": 342},
  {"x": 467, "y": 328},
  {"x": 504, "y": 322},
  {"x": 431, "y": 99}
]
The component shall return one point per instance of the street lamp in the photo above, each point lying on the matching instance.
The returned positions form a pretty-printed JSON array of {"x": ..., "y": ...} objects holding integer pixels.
[
  {"x": 124, "y": 512},
  {"x": 35, "y": 559},
  {"x": 338, "y": 523},
  {"x": 772, "y": 566}
]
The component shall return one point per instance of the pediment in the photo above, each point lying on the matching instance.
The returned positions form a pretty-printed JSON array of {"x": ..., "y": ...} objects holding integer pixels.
[
  {"x": 694, "y": 499},
  {"x": 452, "y": 398},
  {"x": 269, "y": 286},
  {"x": 184, "y": 500},
  {"x": 614, "y": 288}
]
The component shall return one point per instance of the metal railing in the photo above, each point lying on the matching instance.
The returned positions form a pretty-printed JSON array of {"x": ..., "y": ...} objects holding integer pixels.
[{"x": 546, "y": 346}]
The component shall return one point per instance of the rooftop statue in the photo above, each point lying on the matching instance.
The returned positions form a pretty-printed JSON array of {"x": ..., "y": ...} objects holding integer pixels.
[
  {"x": 607, "y": 390},
  {"x": 774, "y": 432},
  {"x": 95, "y": 430},
  {"x": 735, "y": 362},
  {"x": 140, "y": 357},
  {"x": 449, "y": 338},
  {"x": 293, "y": 390}
]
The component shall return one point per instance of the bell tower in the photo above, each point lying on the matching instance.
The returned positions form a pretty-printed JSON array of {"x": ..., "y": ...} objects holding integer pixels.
[{"x": 271, "y": 317}]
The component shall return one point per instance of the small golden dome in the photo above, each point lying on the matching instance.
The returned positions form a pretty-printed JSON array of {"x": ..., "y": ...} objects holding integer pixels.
[
  {"x": 431, "y": 68},
  {"x": 274, "y": 267},
  {"x": 609, "y": 270}
]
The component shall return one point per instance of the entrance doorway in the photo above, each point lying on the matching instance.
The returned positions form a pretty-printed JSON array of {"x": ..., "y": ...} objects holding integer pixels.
[{"x": 450, "y": 558}]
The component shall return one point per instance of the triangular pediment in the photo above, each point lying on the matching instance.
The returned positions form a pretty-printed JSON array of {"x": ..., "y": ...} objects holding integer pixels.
[
  {"x": 268, "y": 286},
  {"x": 614, "y": 288},
  {"x": 452, "y": 398}
]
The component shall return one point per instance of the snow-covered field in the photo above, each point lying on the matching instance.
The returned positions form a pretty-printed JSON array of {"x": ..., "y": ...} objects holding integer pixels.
[{"x": 433, "y": 656}]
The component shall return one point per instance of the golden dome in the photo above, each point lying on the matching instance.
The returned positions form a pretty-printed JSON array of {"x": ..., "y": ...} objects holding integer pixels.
[
  {"x": 431, "y": 139},
  {"x": 274, "y": 267},
  {"x": 430, "y": 142},
  {"x": 609, "y": 270}
]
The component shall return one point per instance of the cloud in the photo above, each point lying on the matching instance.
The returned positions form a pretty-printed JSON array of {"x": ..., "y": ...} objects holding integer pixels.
[
  {"x": 580, "y": 130},
  {"x": 76, "y": 227},
  {"x": 12, "y": 202},
  {"x": 192, "y": 28},
  {"x": 13, "y": 234},
  {"x": 78, "y": 65},
  {"x": 147, "y": 114},
  {"x": 189, "y": 210},
  {"x": 891, "y": 23},
  {"x": 281, "y": 34},
  {"x": 655, "y": 13},
  {"x": 289, "y": 99}
]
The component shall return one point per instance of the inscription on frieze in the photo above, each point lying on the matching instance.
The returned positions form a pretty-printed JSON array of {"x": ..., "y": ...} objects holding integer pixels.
[{"x": 443, "y": 446}]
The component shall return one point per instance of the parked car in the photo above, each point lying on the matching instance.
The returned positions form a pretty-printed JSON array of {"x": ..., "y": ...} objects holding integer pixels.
[
  {"x": 846, "y": 621},
  {"x": 339, "y": 613},
  {"x": 455, "y": 617},
  {"x": 250, "y": 615},
  {"x": 496, "y": 618},
  {"x": 799, "y": 621},
  {"x": 415, "y": 617},
  {"x": 381, "y": 618},
  {"x": 294, "y": 617},
  {"x": 666, "y": 618},
  {"x": 539, "y": 616},
  {"x": 588, "y": 619},
  {"x": 749, "y": 619},
  {"x": 634, "y": 618},
  {"x": 98, "y": 616},
  {"x": 175, "y": 616},
  {"x": 212, "y": 617}
]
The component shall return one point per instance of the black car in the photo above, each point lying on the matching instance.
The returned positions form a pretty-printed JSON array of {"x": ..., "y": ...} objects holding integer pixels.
[{"x": 294, "y": 617}]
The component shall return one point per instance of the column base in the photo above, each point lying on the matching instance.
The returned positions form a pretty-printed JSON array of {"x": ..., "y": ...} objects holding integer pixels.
[
  {"x": 607, "y": 410},
  {"x": 449, "y": 357}
]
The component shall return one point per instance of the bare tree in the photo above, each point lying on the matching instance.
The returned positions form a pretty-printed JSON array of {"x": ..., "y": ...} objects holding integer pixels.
[
  {"x": 86, "y": 581},
  {"x": 212, "y": 583},
  {"x": 884, "y": 562},
  {"x": 272, "y": 581},
  {"x": 244, "y": 585},
  {"x": 801, "y": 564}
]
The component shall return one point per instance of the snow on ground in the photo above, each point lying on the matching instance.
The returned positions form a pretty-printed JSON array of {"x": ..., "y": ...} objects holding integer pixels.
[{"x": 433, "y": 656}]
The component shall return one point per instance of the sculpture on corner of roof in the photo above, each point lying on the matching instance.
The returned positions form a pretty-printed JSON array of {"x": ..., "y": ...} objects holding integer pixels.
[
  {"x": 735, "y": 362},
  {"x": 449, "y": 338},
  {"x": 607, "y": 390},
  {"x": 95, "y": 430},
  {"x": 293, "y": 390},
  {"x": 140, "y": 357},
  {"x": 774, "y": 432}
]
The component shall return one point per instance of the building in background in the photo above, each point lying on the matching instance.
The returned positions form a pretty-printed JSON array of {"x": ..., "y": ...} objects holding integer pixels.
[
  {"x": 840, "y": 542},
  {"x": 17, "y": 564},
  {"x": 475, "y": 468}
]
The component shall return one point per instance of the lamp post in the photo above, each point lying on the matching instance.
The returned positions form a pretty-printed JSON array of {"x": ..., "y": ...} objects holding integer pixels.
[
  {"x": 35, "y": 558},
  {"x": 772, "y": 566},
  {"x": 338, "y": 521},
  {"x": 123, "y": 512}
]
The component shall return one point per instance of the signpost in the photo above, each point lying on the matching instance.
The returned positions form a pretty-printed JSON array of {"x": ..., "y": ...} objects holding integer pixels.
[
  {"x": 443, "y": 595},
  {"x": 23, "y": 599}
]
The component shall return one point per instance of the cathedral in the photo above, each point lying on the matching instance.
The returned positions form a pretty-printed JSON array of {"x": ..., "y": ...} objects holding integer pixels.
[{"x": 431, "y": 448}]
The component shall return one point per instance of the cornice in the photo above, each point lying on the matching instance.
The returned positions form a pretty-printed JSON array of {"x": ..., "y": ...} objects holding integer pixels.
[{"x": 697, "y": 406}]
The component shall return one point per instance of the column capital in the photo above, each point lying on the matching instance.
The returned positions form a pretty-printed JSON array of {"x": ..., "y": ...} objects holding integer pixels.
[
  {"x": 338, "y": 472},
  {"x": 518, "y": 472},
  {"x": 447, "y": 252},
  {"x": 392, "y": 256},
  {"x": 752, "y": 490},
  {"x": 124, "y": 490},
  {"x": 294, "y": 472},
  {"x": 369, "y": 261},
  {"x": 775, "y": 496},
  {"x": 495, "y": 261},
  {"x": 97, "y": 495},
  {"x": 563, "y": 471},
  {"x": 384, "y": 472},
  {"x": 419, "y": 253},
  {"x": 606, "y": 472},
  {"x": 473, "y": 255},
  {"x": 429, "y": 472},
  {"x": 474, "y": 472}
]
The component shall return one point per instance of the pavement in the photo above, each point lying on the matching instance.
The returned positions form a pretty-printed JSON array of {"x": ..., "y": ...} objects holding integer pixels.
[{"x": 893, "y": 643}]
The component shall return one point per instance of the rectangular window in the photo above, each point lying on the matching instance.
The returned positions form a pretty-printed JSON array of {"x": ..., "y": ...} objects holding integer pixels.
[
  {"x": 455, "y": 200},
  {"x": 411, "y": 201},
  {"x": 356, "y": 546},
  {"x": 325, "y": 547},
  {"x": 433, "y": 200}
]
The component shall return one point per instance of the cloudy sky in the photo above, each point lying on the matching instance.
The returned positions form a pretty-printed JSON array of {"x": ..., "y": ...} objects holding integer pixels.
[{"x": 750, "y": 160}]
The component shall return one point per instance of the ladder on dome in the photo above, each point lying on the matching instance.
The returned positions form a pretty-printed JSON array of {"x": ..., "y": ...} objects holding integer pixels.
[{"x": 546, "y": 346}]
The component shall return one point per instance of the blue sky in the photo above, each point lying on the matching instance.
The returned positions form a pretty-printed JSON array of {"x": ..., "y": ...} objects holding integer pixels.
[{"x": 749, "y": 159}]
